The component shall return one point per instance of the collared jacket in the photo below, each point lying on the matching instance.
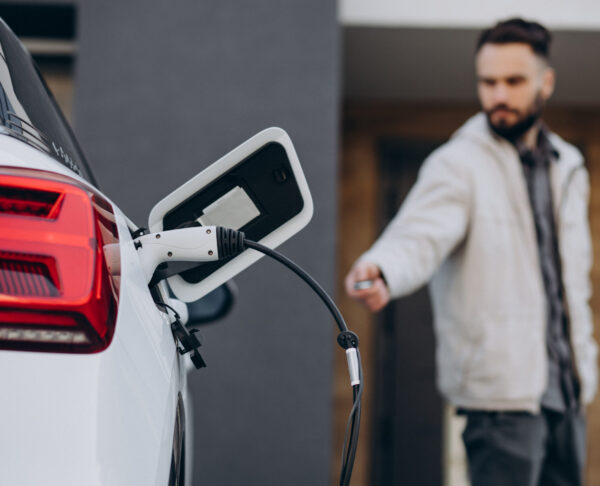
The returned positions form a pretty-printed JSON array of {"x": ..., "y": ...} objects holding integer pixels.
[{"x": 467, "y": 228}]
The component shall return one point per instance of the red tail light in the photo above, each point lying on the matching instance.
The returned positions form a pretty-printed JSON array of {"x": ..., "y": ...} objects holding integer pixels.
[
  {"x": 26, "y": 202},
  {"x": 57, "y": 292}
]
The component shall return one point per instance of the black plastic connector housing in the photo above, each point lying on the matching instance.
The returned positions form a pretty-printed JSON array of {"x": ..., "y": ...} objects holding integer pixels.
[{"x": 229, "y": 242}]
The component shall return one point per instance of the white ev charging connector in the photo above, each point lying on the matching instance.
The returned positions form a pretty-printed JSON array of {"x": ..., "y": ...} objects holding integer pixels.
[
  {"x": 198, "y": 244},
  {"x": 194, "y": 244}
]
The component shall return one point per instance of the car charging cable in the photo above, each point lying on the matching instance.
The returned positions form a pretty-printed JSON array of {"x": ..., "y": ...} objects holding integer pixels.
[
  {"x": 231, "y": 243},
  {"x": 211, "y": 243}
]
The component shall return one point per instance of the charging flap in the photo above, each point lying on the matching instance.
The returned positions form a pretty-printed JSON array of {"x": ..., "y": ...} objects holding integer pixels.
[{"x": 258, "y": 188}]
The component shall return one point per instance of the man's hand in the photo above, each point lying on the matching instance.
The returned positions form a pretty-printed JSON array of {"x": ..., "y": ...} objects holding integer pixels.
[{"x": 373, "y": 297}]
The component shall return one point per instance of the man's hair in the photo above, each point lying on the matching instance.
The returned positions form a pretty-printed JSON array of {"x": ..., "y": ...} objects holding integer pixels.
[{"x": 518, "y": 31}]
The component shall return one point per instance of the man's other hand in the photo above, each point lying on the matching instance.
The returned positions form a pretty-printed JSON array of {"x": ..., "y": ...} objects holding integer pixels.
[{"x": 373, "y": 297}]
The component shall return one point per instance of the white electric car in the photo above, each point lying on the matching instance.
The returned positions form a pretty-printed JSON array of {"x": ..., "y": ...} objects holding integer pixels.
[{"x": 93, "y": 360}]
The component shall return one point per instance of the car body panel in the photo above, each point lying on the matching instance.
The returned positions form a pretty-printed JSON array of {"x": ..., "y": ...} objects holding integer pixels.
[{"x": 102, "y": 418}]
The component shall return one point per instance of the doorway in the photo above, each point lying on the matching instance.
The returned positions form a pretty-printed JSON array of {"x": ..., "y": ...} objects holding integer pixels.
[{"x": 408, "y": 412}]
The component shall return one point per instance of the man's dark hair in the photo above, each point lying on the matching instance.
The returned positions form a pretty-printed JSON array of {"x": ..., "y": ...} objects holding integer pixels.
[{"x": 518, "y": 31}]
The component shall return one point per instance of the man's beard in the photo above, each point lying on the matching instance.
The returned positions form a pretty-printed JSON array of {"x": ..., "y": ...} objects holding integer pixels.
[{"x": 515, "y": 131}]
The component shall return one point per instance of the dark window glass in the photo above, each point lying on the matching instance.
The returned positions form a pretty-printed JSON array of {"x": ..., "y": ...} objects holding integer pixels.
[{"x": 28, "y": 110}]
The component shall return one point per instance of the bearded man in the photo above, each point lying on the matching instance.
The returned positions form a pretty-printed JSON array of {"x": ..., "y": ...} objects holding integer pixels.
[{"x": 497, "y": 224}]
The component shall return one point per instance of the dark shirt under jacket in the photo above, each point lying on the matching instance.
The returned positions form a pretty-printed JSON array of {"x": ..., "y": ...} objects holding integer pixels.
[{"x": 563, "y": 389}]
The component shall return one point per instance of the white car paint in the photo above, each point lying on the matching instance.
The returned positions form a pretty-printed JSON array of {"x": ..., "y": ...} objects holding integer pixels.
[{"x": 94, "y": 419}]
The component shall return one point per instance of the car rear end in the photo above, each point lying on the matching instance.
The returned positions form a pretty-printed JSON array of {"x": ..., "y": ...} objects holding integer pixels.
[
  {"x": 91, "y": 377},
  {"x": 93, "y": 389}
]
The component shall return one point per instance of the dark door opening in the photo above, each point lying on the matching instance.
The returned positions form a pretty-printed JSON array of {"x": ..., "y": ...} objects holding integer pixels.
[{"x": 408, "y": 412}]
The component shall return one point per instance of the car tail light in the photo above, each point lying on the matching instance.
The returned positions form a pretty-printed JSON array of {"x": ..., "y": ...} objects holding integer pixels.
[{"x": 58, "y": 285}]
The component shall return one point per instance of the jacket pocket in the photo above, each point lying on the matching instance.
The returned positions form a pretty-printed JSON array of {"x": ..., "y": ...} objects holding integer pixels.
[{"x": 509, "y": 363}]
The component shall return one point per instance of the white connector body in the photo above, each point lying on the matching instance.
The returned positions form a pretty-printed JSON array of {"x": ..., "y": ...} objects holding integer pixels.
[
  {"x": 197, "y": 244},
  {"x": 353, "y": 369}
]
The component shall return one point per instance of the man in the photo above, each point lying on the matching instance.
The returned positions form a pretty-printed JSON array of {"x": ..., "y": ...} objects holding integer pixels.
[{"x": 497, "y": 223}]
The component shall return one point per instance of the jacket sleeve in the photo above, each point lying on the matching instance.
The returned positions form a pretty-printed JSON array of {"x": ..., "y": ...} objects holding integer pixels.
[
  {"x": 431, "y": 222},
  {"x": 576, "y": 250}
]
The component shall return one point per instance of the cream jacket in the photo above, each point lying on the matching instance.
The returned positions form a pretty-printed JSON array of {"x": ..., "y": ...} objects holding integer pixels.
[{"x": 467, "y": 228}]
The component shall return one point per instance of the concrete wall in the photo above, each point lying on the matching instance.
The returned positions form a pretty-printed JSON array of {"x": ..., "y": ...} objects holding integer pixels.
[{"x": 162, "y": 90}]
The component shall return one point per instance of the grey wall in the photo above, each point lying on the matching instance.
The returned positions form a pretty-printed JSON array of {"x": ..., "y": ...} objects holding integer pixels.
[{"x": 162, "y": 90}]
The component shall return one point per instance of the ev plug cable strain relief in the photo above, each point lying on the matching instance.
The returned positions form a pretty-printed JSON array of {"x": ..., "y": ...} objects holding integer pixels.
[{"x": 229, "y": 242}]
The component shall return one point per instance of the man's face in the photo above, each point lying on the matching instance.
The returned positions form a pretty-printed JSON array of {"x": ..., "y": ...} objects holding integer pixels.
[{"x": 513, "y": 84}]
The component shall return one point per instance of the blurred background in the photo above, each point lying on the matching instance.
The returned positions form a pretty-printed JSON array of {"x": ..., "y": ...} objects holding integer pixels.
[{"x": 156, "y": 91}]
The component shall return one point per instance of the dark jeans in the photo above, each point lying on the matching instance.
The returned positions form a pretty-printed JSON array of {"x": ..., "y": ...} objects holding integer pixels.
[{"x": 522, "y": 449}]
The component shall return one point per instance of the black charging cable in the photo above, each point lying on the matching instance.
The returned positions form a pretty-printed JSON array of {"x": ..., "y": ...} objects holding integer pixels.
[{"x": 230, "y": 243}]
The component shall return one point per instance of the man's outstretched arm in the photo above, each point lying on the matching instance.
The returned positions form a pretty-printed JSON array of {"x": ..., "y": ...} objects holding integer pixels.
[{"x": 432, "y": 221}]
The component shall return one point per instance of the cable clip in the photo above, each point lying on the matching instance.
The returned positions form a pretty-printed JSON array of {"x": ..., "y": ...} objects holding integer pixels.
[
  {"x": 187, "y": 340},
  {"x": 347, "y": 340}
]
